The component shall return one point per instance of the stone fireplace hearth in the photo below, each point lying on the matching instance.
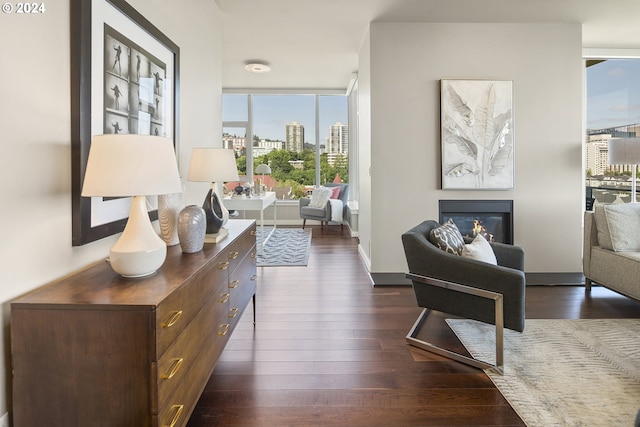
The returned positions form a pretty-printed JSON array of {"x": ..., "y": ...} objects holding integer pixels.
[{"x": 491, "y": 218}]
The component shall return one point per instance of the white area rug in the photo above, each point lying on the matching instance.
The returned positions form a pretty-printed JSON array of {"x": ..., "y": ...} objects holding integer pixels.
[
  {"x": 285, "y": 247},
  {"x": 565, "y": 372}
]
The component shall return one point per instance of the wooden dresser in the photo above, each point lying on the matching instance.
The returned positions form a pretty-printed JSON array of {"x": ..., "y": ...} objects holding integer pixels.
[{"x": 94, "y": 349}]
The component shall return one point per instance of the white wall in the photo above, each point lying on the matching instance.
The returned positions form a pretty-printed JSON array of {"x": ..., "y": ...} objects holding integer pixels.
[
  {"x": 35, "y": 164},
  {"x": 364, "y": 150},
  {"x": 544, "y": 62}
]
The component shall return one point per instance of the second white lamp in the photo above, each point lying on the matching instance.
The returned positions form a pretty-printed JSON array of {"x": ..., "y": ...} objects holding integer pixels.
[{"x": 214, "y": 165}]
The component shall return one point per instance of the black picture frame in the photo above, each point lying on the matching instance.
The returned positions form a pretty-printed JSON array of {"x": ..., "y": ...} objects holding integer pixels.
[{"x": 91, "y": 22}]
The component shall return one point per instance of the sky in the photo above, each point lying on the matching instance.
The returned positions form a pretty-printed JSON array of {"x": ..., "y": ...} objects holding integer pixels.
[
  {"x": 613, "y": 93},
  {"x": 271, "y": 113}
]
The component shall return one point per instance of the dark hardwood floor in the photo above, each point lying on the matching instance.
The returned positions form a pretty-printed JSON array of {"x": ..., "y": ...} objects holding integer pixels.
[{"x": 328, "y": 349}]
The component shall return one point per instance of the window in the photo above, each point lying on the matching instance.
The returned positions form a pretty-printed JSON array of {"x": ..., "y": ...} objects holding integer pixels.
[
  {"x": 303, "y": 138},
  {"x": 613, "y": 111}
]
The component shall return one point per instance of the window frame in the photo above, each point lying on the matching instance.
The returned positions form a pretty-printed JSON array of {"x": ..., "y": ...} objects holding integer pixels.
[{"x": 248, "y": 124}]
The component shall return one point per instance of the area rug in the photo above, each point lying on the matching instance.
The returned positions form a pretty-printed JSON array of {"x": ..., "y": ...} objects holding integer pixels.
[
  {"x": 565, "y": 372},
  {"x": 285, "y": 247}
]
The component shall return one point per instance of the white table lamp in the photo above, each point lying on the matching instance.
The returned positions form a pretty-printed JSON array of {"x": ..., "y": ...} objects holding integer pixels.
[
  {"x": 626, "y": 151},
  {"x": 214, "y": 165},
  {"x": 122, "y": 165},
  {"x": 263, "y": 169}
]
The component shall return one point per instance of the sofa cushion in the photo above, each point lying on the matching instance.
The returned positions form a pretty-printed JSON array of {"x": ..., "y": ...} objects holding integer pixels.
[
  {"x": 618, "y": 226},
  {"x": 480, "y": 250},
  {"x": 448, "y": 238}
]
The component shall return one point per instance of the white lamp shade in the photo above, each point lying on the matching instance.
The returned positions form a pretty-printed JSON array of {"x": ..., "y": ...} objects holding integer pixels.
[
  {"x": 263, "y": 169},
  {"x": 213, "y": 165},
  {"x": 624, "y": 151},
  {"x": 131, "y": 165}
]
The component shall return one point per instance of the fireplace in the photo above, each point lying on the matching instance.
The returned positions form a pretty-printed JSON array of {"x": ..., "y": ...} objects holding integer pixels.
[{"x": 491, "y": 218}]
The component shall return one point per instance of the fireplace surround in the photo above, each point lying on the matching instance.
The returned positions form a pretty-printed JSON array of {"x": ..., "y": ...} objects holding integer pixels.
[{"x": 492, "y": 218}]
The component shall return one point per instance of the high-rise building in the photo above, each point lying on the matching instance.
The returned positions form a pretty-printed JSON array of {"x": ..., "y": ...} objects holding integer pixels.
[
  {"x": 597, "y": 153},
  {"x": 294, "y": 137},
  {"x": 338, "y": 139}
]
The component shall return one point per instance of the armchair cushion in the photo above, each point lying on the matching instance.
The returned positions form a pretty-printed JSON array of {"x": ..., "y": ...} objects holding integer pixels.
[
  {"x": 320, "y": 197},
  {"x": 335, "y": 192},
  {"x": 480, "y": 249},
  {"x": 448, "y": 238}
]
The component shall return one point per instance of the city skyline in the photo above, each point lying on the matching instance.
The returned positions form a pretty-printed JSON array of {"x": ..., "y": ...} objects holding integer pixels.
[{"x": 272, "y": 113}]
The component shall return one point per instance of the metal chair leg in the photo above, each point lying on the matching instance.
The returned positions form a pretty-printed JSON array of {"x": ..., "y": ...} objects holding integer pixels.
[
  {"x": 432, "y": 348},
  {"x": 499, "y": 324}
]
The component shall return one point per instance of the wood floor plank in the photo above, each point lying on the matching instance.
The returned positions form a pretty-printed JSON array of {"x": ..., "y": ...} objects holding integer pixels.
[{"x": 329, "y": 349}]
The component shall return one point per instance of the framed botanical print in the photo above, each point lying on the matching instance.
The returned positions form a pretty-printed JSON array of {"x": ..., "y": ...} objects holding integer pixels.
[{"x": 476, "y": 128}]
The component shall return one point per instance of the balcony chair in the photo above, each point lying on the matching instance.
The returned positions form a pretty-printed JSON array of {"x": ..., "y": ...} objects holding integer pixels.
[
  {"x": 465, "y": 287},
  {"x": 324, "y": 214}
]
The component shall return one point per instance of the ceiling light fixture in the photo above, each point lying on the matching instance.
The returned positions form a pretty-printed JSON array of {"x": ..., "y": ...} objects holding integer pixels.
[{"x": 257, "y": 67}]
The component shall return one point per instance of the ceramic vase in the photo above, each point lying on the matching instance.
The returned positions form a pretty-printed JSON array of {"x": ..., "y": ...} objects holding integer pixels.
[
  {"x": 192, "y": 226},
  {"x": 169, "y": 206},
  {"x": 213, "y": 212}
]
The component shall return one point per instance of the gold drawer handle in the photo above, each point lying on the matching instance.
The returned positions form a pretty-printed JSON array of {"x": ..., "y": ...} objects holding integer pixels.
[
  {"x": 175, "y": 366},
  {"x": 233, "y": 313},
  {"x": 253, "y": 255},
  {"x": 254, "y": 233},
  {"x": 223, "y": 329},
  {"x": 254, "y": 277},
  {"x": 223, "y": 265},
  {"x": 233, "y": 255},
  {"x": 173, "y": 318},
  {"x": 177, "y": 411},
  {"x": 224, "y": 298},
  {"x": 234, "y": 284}
]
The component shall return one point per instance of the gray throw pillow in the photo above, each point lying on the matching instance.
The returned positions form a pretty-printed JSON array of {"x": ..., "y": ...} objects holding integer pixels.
[{"x": 448, "y": 238}]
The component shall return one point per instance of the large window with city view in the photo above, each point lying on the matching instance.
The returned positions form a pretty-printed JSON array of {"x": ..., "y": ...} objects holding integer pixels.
[
  {"x": 613, "y": 111},
  {"x": 303, "y": 138}
]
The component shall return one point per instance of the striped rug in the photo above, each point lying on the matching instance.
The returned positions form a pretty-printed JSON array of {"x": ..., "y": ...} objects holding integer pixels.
[
  {"x": 285, "y": 247},
  {"x": 565, "y": 372}
]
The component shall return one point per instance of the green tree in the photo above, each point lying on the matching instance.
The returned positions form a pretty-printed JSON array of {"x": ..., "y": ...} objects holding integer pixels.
[{"x": 241, "y": 162}]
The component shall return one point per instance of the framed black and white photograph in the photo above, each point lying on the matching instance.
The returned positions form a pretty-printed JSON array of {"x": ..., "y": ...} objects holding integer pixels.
[
  {"x": 477, "y": 143},
  {"x": 124, "y": 79}
]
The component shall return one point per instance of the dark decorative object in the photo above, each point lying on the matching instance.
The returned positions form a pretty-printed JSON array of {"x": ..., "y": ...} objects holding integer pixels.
[
  {"x": 213, "y": 212},
  {"x": 192, "y": 225},
  {"x": 239, "y": 189},
  {"x": 93, "y": 36}
]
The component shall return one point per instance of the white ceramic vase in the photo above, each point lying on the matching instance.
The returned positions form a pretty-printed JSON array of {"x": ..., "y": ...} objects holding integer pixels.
[{"x": 169, "y": 206}]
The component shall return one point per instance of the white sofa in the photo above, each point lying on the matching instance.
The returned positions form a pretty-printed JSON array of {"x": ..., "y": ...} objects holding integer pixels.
[{"x": 611, "y": 255}]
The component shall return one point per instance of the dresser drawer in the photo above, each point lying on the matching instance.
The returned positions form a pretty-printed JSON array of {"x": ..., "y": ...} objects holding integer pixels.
[
  {"x": 242, "y": 286},
  {"x": 240, "y": 248},
  {"x": 184, "y": 369},
  {"x": 177, "y": 310}
]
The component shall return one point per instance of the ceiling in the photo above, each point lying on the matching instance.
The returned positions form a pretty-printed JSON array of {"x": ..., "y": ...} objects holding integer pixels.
[{"x": 314, "y": 44}]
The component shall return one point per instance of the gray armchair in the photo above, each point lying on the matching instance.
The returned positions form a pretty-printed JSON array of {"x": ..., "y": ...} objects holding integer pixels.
[
  {"x": 324, "y": 214},
  {"x": 465, "y": 287}
]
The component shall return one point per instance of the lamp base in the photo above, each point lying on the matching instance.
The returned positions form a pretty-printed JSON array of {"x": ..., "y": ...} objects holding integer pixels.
[
  {"x": 139, "y": 251},
  {"x": 216, "y": 237}
]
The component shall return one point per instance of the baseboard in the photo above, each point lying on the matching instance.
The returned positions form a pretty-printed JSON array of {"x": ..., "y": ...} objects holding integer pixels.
[
  {"x": 533, "y": 279},
  {"x": 389, "y": 279},
  {"x": 537, "y": 279}
]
